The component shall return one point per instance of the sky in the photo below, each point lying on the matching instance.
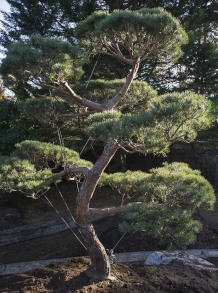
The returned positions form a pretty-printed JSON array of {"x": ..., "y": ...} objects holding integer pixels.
[{"x": 5, "y": 7}]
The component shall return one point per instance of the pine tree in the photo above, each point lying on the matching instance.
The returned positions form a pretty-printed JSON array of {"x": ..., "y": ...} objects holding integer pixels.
[{"x": 128, "y": 115}]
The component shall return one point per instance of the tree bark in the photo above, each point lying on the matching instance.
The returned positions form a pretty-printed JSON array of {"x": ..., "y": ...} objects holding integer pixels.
[
  {"x": 100, "y": 265},
  {"x": 111, "y": 104}
]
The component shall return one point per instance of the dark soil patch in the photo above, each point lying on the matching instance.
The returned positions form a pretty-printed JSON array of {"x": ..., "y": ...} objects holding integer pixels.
[{"x": 135, "y": 277}]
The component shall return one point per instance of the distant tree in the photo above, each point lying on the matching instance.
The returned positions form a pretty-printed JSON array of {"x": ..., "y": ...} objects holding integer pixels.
[
  {"x": 33, "y": 119},
  {"x": 139, "y": 122},
  {"x": 47, "y": 18}
]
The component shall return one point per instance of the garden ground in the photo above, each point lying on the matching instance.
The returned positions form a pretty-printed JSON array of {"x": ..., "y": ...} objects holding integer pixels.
[{"x": 135, "y": 277}]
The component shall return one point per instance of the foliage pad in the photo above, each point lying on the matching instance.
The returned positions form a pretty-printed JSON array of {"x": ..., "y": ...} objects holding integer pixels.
[
  {"x": 30, "y": 168},
  {"x": 167, "y": 119},
  {"x": 171, "y": 195}
]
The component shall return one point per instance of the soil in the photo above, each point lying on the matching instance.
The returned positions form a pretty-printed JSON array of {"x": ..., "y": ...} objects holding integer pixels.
[{"x": 70, "y": 277}]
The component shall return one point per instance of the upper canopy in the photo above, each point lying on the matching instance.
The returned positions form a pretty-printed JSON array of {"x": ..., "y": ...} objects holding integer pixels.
[{"x": 127, "y": 34}]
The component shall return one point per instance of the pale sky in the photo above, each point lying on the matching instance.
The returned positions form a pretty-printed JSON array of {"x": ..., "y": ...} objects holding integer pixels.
[{"x": 5, "y": 7}]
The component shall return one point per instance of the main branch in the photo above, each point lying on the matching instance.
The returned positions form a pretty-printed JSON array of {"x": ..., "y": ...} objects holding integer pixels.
[
  {"x": 111, "y": 104},
  {"x": 82, "y": 101},
  {"x": 116, "y": 99}
]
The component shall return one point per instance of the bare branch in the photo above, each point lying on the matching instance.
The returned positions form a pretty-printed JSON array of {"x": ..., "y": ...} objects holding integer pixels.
[
  {"x": 81, "y": 100},
  {"x": 131, "y": 147},
  {"x": 115, "y": 52},
  {"x": 120, "y": 57}
]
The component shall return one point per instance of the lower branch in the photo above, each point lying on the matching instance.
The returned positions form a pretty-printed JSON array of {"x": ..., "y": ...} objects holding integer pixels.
[
  {"x": 74, "y": 170},
  {"x": 131, "y": 147},
  {"x": 83, "y": 101},
  {"x": 94, "y": 212}
]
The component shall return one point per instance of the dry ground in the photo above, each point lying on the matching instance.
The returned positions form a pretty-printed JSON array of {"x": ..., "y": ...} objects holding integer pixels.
[{"x": 70, "y": 277}]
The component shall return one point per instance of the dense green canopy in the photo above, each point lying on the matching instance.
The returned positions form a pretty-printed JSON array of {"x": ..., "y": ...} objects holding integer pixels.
[
  {"x": 196, "y": 70},
  {"x": 30, "y": 167}
]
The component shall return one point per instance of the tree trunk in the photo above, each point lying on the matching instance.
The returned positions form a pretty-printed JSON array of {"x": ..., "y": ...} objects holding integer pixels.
[{"x": 100, "y": 265}]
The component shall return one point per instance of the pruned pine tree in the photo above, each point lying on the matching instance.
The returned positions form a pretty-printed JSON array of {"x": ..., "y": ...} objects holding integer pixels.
[{"x": 138, "y": 122}]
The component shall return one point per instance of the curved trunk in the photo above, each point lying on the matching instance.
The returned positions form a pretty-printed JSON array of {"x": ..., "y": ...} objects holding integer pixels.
[{"x": 100, "y": 265}]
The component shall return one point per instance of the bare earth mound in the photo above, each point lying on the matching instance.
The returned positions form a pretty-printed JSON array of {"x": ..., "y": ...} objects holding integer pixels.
[{"x": 70, "y": 277}]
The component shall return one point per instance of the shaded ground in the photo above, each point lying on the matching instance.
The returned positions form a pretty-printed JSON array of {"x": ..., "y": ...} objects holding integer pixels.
[
  {"x": 70, "y": 277},
  {"x": 53, "y": 246}
]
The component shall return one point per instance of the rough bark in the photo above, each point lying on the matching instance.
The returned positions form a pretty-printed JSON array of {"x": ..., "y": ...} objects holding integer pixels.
[{"x": 100, "y": 268}]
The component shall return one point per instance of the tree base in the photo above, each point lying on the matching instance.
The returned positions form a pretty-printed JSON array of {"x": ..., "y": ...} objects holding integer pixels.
[{"x": 98, "y": 276}]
